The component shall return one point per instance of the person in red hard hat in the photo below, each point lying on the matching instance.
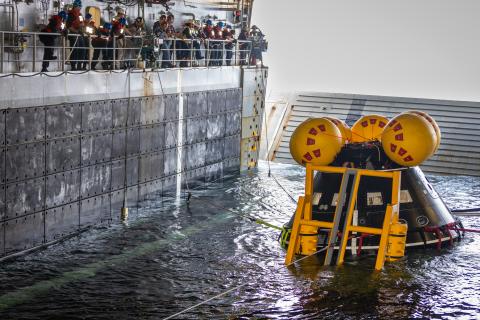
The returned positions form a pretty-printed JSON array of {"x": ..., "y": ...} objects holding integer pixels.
[
  {"x": 119, "y": 31},
  {"x": 218, "y": 45},
  {"x": 75, "y": 24},
  {"x": 55, "y": 25}
]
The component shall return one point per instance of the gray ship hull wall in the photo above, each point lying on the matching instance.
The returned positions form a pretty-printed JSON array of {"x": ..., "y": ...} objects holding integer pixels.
[{"x": 62, "y": 166}]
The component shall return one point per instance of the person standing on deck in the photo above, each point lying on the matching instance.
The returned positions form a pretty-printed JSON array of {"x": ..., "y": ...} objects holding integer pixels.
[
  {"x": 174, "y": 44},
  {"x": 157, "y": 26},
  {"x": 76, "y": 40},
  {"x": 228, "y": 37},
  {"x": 243, "y": 47},
  {"x": 55, "y": 25},
  {"x": 218, "y": 32},
  {"x": 102, "y": 43},
  {"x": 209, "y": 36},
  {"x": 119, "y": 31},
  {"x": 134, "y": 44}
]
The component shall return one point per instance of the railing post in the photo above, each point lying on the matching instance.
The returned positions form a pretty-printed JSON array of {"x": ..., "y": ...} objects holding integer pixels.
[
  {"x": 223, "y": 53},
  {"x": 191, "y": 53},
  {"x": 34, "y": 59},
  {"x": 174, "y": 55},
  {"x": 114, "y": 50},
  {"x": 207, "y": 52},
  {"x": 2, "y": 50},
  {"x": 250, "y": 48},
  {"x": 64, "y": 52},
  {"x": 235, "y": 63}
]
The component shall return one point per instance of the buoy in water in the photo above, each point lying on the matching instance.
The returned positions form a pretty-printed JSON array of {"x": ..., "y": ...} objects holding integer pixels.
[
  {"x": 409, "y": 139},
  {"x": 368, "y": 128},
  {"x": 316, "y": 141}
]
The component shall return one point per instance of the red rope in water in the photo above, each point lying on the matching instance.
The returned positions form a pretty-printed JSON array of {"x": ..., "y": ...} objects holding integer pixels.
[{"x": 465, "y": 230}]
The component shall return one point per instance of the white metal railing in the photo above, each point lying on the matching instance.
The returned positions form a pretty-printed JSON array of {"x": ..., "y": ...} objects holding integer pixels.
[{"x": 24, "y": 52}]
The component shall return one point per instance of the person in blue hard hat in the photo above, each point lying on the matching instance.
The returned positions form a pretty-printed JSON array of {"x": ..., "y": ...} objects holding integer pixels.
[
  {"x": 209, "y": 35},
  {"x": 64, "y": 15},
  {"x": 103, "y": 44},
  {"x": 88, "y": 18},
  {"x": 119, "y": 31},
  {"x": 218, "y": 44}
]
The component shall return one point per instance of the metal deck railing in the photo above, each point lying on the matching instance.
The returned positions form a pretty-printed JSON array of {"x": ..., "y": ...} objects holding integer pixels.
[{"x": 24, "y": 52}]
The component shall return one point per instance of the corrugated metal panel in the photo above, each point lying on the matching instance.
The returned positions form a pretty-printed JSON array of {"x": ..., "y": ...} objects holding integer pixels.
[{"x": 459, "y": 122}]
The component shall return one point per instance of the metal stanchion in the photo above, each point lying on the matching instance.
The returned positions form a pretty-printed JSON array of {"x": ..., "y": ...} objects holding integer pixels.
[
  {"x": 207, "y": 52},
  {"x": 34, "y": 58},
  {"x": 235, "y": 56},
  {"x": 223, "y": 53},
  {"x": 2, "y": 52},
  {"x": 64, "y": 53},
  {"x": 191, "y": 53},
  {"x": 174, "y": 53},
  {"x": 114, "y": 55}
]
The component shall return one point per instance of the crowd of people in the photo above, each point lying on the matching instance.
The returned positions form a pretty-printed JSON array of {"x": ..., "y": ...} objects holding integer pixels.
[{"x": 120, "y": 45}]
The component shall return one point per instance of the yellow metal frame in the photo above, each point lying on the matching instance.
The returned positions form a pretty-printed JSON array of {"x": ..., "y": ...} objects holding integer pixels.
[{"x": 303, "y": 214}]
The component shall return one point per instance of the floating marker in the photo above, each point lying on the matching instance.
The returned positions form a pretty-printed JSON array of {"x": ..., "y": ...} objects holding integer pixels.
[
  {"x": 368, "y": 128},
  {"x": 316, "y": 141},
  {"x": 409, "y": 139},
  {"x": 344, "y": 129},
  {"x": 433, "y": 123}
]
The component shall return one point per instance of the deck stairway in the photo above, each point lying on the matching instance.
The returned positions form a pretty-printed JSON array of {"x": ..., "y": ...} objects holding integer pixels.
[{"x": 459, "y": 122}]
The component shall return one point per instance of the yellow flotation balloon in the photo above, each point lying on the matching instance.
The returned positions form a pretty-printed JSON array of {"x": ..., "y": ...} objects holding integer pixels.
[
  {"x": 316, "y": 141},
  {"x": 368, "y": 128},
  {"x": 409, "y": 139},
  {"x": 344, "y": 129},
  {"x": 434, "y": 125}
]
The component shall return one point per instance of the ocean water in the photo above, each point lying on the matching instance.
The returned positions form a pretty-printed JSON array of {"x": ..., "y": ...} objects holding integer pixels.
[{"x": 171, "y": 255}]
